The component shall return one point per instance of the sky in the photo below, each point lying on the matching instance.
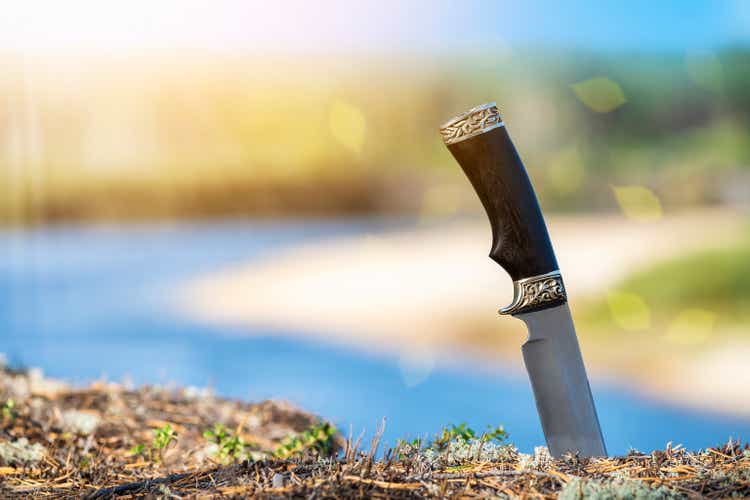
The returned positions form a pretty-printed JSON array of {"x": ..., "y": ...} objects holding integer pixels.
[{"x": 331, "y": 26}]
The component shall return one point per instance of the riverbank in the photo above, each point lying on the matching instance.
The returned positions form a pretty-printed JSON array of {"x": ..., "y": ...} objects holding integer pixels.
[{"x": 430, "y": 294}]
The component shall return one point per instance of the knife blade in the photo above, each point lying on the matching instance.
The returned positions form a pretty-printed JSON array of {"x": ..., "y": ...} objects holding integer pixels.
[
  {"x": 561, "y": 388},
  {"x": 479, "y": 142}
]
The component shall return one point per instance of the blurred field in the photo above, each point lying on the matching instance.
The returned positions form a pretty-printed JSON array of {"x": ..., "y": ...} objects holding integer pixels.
[
  {"x": 704, "y": 292},
  {"x": 170, "y": 136},
  {"x": 684, "y": 317}
]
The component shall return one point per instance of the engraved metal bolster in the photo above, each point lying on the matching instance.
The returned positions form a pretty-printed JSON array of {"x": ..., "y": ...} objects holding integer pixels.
[
  {"x": 537, "y": 292},
  {"x": 472, "y": 123}
]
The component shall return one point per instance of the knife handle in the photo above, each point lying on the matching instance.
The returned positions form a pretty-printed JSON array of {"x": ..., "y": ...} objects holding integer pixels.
[{"x": 480, "y": 143}]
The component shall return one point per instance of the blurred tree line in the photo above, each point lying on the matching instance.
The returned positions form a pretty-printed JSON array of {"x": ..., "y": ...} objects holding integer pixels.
[{"x": 194, "y": 136}]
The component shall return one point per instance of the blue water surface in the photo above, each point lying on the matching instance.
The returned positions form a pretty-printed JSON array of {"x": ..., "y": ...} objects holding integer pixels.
[{"x": 87, "y": 302}]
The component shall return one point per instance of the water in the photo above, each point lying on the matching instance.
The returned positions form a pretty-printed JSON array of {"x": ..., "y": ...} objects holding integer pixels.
[{"x": 83, "y": 303}]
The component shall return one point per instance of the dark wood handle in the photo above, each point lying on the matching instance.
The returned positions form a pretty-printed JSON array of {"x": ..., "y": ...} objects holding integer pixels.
[{"x": 481, "y": 145}]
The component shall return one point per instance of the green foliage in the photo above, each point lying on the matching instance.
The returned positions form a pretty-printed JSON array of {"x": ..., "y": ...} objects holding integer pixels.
[
  {"x": 138, "y": 450},
  {"x": 716, "y": 278},
  {"x": 715, "y": 281},
  {"x": 457, "y": 445},
  {"x": 415, "y": 443},
  {"x": 450, "y": 433},
  {"x": 317, "y": 439},
  {"x": 463, "y": 433},
  {"x": 9, "y": 407},
  {"x": 497, "y": 434},
  {"x": 230, "y": 447},
  {"x": 163, "y": 437}
]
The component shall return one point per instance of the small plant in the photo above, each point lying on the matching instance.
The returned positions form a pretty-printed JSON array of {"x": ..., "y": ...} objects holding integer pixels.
[
  {"x": 318, "y": 439},
  {"x": 163, "y": 437},
  {"x": 9, "y": 410},
  {"x": 465, "y": 434},
  {"x": 453, "y": 432},
  {"x": 494, "y": 434},
  {"x": 406, "y": 448},
  {"x": 230, "y": 447},
  {"x": 414, "y": 443},
  {"x": 138, "y": 450}
]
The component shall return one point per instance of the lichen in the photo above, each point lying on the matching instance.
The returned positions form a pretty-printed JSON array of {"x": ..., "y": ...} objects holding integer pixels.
[
  {"x": 80, "y": 422},
  {"x": 461, "y": 451},
  {"x": 540, "y": 460},
  {"x": 20, "y": 452},
  {"x": 615, "y": 490}
]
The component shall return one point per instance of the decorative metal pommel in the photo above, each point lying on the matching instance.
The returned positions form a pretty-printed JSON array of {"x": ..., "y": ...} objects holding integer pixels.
[
  {"x": 537, "y": 292},
  {"x": 471, "y": 123}
]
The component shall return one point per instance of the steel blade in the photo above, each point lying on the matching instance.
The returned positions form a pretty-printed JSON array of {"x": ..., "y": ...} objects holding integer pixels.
[{"x": 561, "y": 387}]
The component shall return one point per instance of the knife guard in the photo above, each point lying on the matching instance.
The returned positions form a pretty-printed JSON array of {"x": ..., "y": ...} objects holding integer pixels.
[{"x": 482, "y": 147}]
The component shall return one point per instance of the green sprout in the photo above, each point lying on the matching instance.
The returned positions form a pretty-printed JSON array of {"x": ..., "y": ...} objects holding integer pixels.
[
  {"x": 9, "y": 409},
  {"x": 317, "y": 439},
  {"x": 451, "y": 433},
  {"x": 464, "y": 433},
  {"x": 494, "y": 434},
  {"x": 230, "y": 447},
  {"x": 138, "y": 450},
  {"x": 414, "y": 443},
  {"x": 163, "y": 437}
]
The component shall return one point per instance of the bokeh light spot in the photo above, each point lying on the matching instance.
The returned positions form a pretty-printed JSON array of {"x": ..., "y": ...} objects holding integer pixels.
[
  {"x": 599, "y": 94},
  {"x": 638, "y": 203},
  {"x": 347, "y": 125},
  {"x": 691, "y": 326},
  {"x": 629, "y": 311}
]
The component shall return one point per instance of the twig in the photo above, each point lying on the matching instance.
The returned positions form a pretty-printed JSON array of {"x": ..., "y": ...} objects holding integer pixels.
[{"x": 136, "y": 486}]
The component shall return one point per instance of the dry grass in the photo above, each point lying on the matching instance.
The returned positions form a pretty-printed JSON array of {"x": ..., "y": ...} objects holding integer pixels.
[{"x": 68, "y": 455}]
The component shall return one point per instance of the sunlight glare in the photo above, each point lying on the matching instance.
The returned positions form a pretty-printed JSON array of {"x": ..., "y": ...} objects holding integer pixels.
[
  {"x": 599, "y": 94},
  {"x": 629, "y": 311},
  {"x": 638, "y": 203}
]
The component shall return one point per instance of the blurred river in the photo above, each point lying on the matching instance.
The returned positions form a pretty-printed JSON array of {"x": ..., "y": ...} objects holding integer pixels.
[{"x": 89, "y": 302}]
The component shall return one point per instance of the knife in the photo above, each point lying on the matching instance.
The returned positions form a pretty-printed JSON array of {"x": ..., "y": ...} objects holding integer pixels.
[{"x": 482, "y": 147}]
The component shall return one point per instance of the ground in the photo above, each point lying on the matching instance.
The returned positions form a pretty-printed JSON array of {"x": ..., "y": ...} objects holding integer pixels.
[{"x": 108, "y": 441}]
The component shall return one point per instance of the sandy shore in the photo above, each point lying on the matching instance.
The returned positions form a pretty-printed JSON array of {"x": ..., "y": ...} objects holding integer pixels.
[{"x": 431, "y": 293}]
